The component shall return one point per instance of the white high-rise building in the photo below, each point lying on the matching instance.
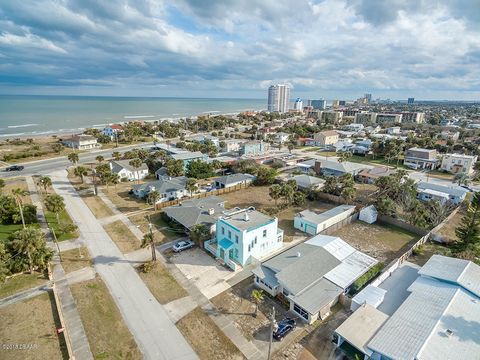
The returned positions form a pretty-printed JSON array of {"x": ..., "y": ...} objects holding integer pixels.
[
  {"x": 278, "y": 98},
  {"x": 298, "y": 105}
]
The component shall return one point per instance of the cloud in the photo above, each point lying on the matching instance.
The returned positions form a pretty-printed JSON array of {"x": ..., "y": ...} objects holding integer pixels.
[{"x": 327, "y": 48}]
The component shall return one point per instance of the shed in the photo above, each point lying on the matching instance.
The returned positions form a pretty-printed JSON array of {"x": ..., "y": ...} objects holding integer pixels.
[
  {"x": 368, "y": 214},
  {"x": 371, "y": 295}
]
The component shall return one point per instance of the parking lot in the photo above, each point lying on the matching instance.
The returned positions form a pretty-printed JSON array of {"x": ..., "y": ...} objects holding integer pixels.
[{"x": 203, "y": 270}]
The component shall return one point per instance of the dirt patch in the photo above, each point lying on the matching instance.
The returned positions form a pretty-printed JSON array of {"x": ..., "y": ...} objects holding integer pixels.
[
  {"x": 256, "y": 196},
  {"x": 75, "y": 259},
  {"x": 21, "y": 282},
  {"x": 107, "y": 334},
  {"x": 448, "y": 230},
  {"x": 32, "y": 324},
  {"x": 383, "y": 242},
  {"x": 124, "y": 201},
  {"x": 208, "y": 341},
  {"x": 162, "y": 285},
  {"x": 122, "y": 236},
  {"x": 21, "y": 183},
  {"x": 97, "y": 206}
]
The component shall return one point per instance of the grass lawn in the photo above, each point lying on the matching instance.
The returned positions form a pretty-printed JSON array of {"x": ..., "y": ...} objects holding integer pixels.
[
  {"x": 378, "y": 161},
  {"x": 75, "y": 259},
  {"x": 162, "y": 285},
  {"x": 382, "y": 241},
  {"x": 312, "y": 148},
  {"x": 208, "y": 341},
  {"x": 64, "y": 219},
  {"x": 32, "y": 322},
  {"x": 6, "y": 230},
  {"x": 162, "y": 234},
  {"x": 21, "y": 282},
  {"x": 107, "y": 334},
  {"x": 448, "y": 230},
  {"x": 122, "y": 236},
  {"x": 122, "y": 199}
]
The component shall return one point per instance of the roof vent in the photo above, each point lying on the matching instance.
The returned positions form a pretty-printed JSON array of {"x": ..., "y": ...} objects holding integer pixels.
[
  {"x": 245, "y": 216},
  {"x": 211, "y": 211},
  {"x": 299, "y": 254},
  {"x": 449, "y": 332}
]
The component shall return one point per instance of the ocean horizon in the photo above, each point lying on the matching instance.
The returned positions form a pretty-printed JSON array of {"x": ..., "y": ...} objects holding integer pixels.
[{"x": 37, "y": 115}]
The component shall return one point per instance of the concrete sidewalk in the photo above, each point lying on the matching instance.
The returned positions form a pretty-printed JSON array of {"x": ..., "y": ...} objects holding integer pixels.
[
  {"x": 25, "y": 294},
  {"x": 156, "y": 335}
]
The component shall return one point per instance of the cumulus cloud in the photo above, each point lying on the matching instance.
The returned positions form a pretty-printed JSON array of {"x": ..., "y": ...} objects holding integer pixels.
[{"x": 326, "y": 48}]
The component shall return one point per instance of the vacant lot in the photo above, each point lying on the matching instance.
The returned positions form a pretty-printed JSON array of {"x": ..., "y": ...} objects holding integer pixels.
[
  {"x": 256, "y": 196},
  {"x": 208, "y": 341},
  {"x": 447, "y": 232},
  {"x": 123, "y": 200},
  {"x": 381, "y": 241},
  {"x": 122, "y": 236},
  {"x": 107, "y": 334},
  {"x": 32, "y": 323},
  {"x": 21, "y": 282},
  {"x": 97, "y": 206},
  {"x": 75, "y": 259},
  {"x": 162, "y": 231},
  {"x": 162, "y": 285}
]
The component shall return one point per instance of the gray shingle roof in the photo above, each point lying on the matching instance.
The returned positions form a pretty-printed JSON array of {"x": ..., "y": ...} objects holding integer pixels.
[
  {"x": 451, "y": 190},
  {"x": 118, "y": 165},
  {"x": 234, "y": 178},
  {"x": 255, "y": 219},
  {"x": 306, "y": 181},
  {"x": 344, "y": 167},
  {"x": 163, "y": 185}
]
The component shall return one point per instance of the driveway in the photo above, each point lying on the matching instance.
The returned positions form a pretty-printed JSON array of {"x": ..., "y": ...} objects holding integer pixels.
[{"x": 203, "y": 271}]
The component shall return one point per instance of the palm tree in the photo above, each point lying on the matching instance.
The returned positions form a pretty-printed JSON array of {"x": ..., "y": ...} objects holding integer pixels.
[
  {"x": 149, "y": 240},
  {"x": 80, "y": 172},
  {"x": 257, "y": 297},
  {"x": 152, "y": 198},
  {"x": 2, "y": 185},
  {"x": 73, "y": 157},
  {"x": 136, "y": 164},
  {"x": 287, "y": 192},
  {"x": 461, "y": 179},
  {"x": 30, "y": 242},
  {"x": 275, "y": 192},
  {"x": 18, "y": 193},
  {"x": 116, "y": 155},
  {"x": 55, "y": 204},
  {"x": 45, "y": 182},
  {"x": 191, "y": 185},
  {"x": 344, "y": 156},
  {"x": 100, "y": 159}
]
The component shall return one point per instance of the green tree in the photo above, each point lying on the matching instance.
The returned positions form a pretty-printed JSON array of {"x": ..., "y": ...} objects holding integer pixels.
[
  {"x": 149, "y": 240},
  {"x": 116, "y": 155},
  {"x": 57, "y": 147},
  {"x": 3, "y": 262},
  {"x": 288, "y": 193},
  {"x": 344, "y": 156},
  {"x": 45, "y": 182},
  {"x": 275, "y": 192},
  {"x": 199, "y": 234},
  {"x": 29, "y": 248},
  {"x": 191, "y": 185},
  {"x": 299, "y": 198},
  {"x": 100, "y": 159},
  {"x": 152, "y": 198},
  {"x": 18, "y": 194},
  {"x": 199, "y": 169},
  {"x": 136, "y": 164},
  {"x": 469, "y": 229},
  {"x": 2, "y": 185},
  {"x": 80, "y": 172},
  {"x": 174, "y": 167},
  {"x": 73, "y": 157},
  {"x": 461, "y": 179},
  {"x": 257, "y": 297},
  {"x": 55, "y": 203},
  {"x": 265, "y": 176}
]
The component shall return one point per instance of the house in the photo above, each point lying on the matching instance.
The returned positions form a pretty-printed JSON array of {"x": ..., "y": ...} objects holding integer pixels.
[
  {"x": 202, "y": 138},
  {"x": 187, "y": 157},
  {"x": 306, "y": 182},
  {"x": 394, "y": 130},
  {"x": 431, "y": 191},
  {"x": 307, "y": 166},
  {"x": 418, "y": 158},
  {"x": 450, "y": 135},
  {"x": 125, "y": 171},
  {"x": 81, "y": 142},
  {"x": 252, "y": 148},
  {"x": 193, "y": 212},
  {"x": 313, "y": 223},
  {"x": 112, "y": 131},
  {"x": 161, "y": 173},
  {"x": 343, "y": 145},
  {"x": 312, "y": 275},
  {"x": 281, "y": 137},
  {"x": 244, "y": 235},
  {"x": 168, "y": 188},
  {"x": 368, "y": 176},
  {"x": 458, "y": 163},
  {"x": 306, "y": 142},
  {"x": 326, "y": 139},
  {"x": 355, "y": 127},
  {"x": 432, "y": 312},
  {"x": 227, "y": 181},
  {"x": 335, "y": 168},
  {"x": 285, "y": 160},
  {"x": 233, "y": 145}
]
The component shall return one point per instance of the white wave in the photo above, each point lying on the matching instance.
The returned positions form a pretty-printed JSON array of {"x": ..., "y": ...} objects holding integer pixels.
[
  {"x": 138, "y": 116},
  {"x": 175, "y": 114},
  {"x": 99, "y": 125},
  {"x": 21, "y": 126},
  {"x": 15, "y": 134}
]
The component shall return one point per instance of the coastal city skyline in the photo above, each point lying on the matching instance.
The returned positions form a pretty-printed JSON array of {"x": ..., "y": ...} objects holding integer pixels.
[{"x": 335, "y": 49}]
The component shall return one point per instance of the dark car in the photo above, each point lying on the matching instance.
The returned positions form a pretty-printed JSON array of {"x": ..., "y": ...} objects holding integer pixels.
[
  {"x": 15, "y": 168},
  {"x": 284, "y": 327}
]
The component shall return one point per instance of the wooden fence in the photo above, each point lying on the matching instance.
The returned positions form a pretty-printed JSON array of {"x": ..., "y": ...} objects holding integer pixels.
[{"x": 402, "y": 224}]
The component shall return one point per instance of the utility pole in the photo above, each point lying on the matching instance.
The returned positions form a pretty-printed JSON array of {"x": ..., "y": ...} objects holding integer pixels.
[
  {"x": 56, "y": 243},
  {"x": 272, "y": 324}
]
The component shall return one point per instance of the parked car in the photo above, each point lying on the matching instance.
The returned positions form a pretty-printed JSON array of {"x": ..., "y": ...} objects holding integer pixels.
[
  {"x": 183, "y": 245},
  {"x": 15, "y": 168},
  {"x": 284, "y": 327}
]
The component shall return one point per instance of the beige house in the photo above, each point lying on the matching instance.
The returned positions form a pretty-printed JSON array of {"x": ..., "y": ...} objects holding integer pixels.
[
  {"x": 326, "y": 138},
  {"x": 81, "y": 142},
  {"x": 458, "y": 163}
]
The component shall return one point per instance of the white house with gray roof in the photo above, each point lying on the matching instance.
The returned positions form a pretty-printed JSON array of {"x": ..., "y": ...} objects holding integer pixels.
[
  {"x": 431, "y": 313},
  {"x": 169, "y": 188},
  {"x": 307, "y": 182},
  {"x": 245, "y": 235},
  {"x": 227, "y": 181},
  {"x": 126, "y": 171},
  {"x": 312, "y": 275},
  {"x": 431, "y": 191},
  {"x": 313, "y": 223}
]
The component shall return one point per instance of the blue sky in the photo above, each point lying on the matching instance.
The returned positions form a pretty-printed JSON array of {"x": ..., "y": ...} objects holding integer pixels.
[{"x": 198, "y": 48}]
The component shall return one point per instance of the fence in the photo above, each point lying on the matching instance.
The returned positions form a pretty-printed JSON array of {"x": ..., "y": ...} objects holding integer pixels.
[
  {"x": 203, "y": 195},
  {"x": 402, "y": 224},
  {"x": 340, "y": 224},
  {"x": 331, "y": 198}
]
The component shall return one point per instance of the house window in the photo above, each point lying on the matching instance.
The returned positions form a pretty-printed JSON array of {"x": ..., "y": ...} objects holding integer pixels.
[
  {"x": 248, "y": 248},
  {"x": 264, "y": 234},
  {"x": 300, "y": 311},
  {"x": 236, "y": 255},
  {"x": 255, "y": 239},
  {"x": 285, "y": 292},
  {"x": 223, "y": 231},
  {"x": 229, "y": 234},
  {"x": 236, "y": 239}
]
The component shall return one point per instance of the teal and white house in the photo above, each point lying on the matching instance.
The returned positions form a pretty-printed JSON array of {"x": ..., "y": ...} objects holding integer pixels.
[{"x": 243, "y": 235}]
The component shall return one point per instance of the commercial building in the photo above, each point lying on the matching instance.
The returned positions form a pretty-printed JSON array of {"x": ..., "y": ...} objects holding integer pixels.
[
  {"x": 365, "y": 118},
  {"x": 413, "y": 117},
  {"x": 331, "y": 117},
  {"x": 410, "y": 101},
  {"x": 388, "y": 118},
  {"x": 313, "y": 223},
  {"x": 298, "y": 105},
  {"x": 419, "y": 158},
  {"x": 278, "y": 98},
  {"x": 319, "y": 104},
  {"x": 458, "y": 163}
]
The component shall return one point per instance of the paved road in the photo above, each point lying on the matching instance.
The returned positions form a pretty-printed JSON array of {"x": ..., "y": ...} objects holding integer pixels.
[
  {"x": 154, "y": 332},
  {"x": 47, "y": 166}
]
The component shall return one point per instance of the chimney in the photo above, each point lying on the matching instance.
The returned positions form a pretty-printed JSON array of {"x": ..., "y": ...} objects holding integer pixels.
[
  {"x": 211, "y": 211},
  {"x": 299, "y": 254},
  {"x": 245, "y": 216},
  {"x": 317, "y": 167}
]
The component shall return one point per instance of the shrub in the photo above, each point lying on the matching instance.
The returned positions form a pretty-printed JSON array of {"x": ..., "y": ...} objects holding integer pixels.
[{"x": 366, "y": 278}]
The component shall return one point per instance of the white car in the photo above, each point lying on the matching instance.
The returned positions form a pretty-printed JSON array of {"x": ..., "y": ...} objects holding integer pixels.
[{"x": 183, "y": 245}]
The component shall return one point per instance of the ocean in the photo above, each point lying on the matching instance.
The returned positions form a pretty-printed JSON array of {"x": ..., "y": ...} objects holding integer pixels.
[{"x": 43, "y": 115}]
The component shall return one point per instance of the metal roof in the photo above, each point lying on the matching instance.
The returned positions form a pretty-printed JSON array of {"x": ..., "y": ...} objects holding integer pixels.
[
  {"x": 350, "y": 269},
  {"x": 451, "y": 190},
  {"x": 306, "y": 181},
  {"x": 317, "y": 296},
  {"x": 247, "y": 219},
  {"x": 188, "y": 155},
  {"x": 333, "y": 244},
  {"x": 225, "y": 243},
  {"x": 324, "y": 216},
  {"x": 370, "y": 295}
]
